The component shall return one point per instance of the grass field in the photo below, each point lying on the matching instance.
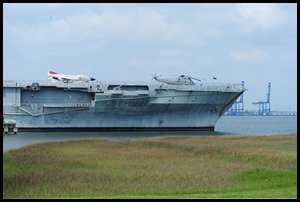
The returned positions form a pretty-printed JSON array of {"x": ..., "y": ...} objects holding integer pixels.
[{"x": 163, "y": 167}]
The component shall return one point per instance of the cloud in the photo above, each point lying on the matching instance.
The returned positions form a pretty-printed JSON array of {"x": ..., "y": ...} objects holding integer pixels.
[
  {"x": 252, "y": 55},
  {"x": 141, "y": 25},
  {"x": 263, "y": 15}
]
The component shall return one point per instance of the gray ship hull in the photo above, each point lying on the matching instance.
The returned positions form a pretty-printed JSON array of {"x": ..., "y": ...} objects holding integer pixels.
[{"x": 115, "y": 107}]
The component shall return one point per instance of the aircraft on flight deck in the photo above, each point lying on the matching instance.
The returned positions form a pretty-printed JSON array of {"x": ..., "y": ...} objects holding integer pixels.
[
  {"x": 180, "y": 80},
  {"x": 68, "y": 78}
]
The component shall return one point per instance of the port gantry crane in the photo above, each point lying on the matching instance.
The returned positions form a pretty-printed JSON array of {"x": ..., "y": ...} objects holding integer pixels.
[
  {"x": 264, "y": 107},
  {"x": 237, "y": 109}
]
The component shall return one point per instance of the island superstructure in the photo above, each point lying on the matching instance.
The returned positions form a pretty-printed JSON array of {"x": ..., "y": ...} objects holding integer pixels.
[{"x": 66, "y": 105}]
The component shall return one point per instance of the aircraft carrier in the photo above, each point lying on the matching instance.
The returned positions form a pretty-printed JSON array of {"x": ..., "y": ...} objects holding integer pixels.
[{"x": 117, "y": 106}]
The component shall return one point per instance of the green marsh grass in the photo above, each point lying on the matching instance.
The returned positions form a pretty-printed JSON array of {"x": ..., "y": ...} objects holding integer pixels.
[{"x": 161, "y": 167}]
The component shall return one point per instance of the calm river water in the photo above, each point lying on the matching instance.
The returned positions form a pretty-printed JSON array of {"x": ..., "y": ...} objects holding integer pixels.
[{"x": 234, "y": 125}]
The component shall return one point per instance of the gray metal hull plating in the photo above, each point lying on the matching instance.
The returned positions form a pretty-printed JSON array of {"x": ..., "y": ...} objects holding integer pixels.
[{"x": 99, "y": 108}]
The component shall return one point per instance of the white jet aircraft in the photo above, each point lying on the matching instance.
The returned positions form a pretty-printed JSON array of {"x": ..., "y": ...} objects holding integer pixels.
[{"x": 68, "y": 78}]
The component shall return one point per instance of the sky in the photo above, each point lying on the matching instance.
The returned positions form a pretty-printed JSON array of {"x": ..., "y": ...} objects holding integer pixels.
[{"x": 254, "y": 43}]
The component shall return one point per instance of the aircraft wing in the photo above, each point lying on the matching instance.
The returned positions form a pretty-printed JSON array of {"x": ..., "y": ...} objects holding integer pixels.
[
  {"x": 66, "y": 80},
  {"x": 61, "y": 78}
]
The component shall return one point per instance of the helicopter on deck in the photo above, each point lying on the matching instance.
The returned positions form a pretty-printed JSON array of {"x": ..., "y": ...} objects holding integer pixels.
[{"x": 180, "y": 80}]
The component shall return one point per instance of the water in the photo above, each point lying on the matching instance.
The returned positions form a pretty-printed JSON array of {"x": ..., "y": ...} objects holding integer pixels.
[
  {"x": 257, "y": 125},
  {"x": 234, "y": 125}
]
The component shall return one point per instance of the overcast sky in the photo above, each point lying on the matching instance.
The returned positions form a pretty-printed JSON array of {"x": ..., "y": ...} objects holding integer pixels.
[{"x": 254, "y": 43}]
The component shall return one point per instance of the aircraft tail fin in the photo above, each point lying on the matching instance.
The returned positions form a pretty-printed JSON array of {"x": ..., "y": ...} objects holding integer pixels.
[{"x": 52, "y": 72}]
